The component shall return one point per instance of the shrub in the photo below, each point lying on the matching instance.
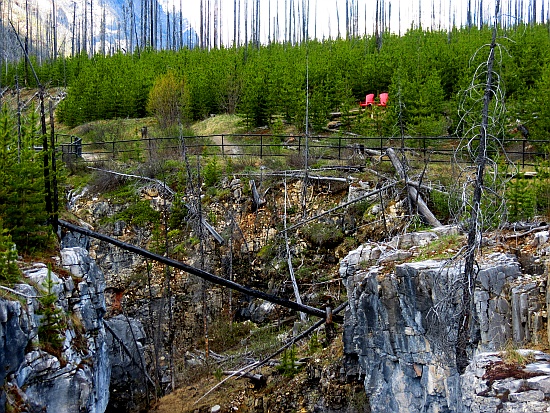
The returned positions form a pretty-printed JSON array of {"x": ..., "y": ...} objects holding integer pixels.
[
  {"x": 139, "y": 213},
  {"x": 166, "y": 100},
  {"x": 225, "y": 334},
  {"x": 323, "y": 234}
]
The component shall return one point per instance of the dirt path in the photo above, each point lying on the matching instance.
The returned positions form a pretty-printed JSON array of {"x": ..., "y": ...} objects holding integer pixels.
[{"x": 228, "y": 147}]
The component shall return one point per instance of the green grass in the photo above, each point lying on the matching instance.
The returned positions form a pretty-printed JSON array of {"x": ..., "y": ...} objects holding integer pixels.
[{"x": 444, "y": 247}]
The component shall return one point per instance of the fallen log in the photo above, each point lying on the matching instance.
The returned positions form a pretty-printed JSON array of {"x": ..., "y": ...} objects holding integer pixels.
[
  {"x": 414, "y": 196},
  {"x": 259, "y": 380},
  {"x": 198, "y": 272}
]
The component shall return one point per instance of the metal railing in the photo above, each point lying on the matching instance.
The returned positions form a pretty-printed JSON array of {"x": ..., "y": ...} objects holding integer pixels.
[{"x": 340, "y": 148}]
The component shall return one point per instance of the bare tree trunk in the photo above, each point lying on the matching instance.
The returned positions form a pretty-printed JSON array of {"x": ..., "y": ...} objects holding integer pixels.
[
  {"x": 475, "y": 231},
  {"x": 54, "y": 29},
  {"x": 85, "y": 28},
  {"x": 73, "y": 30},
  {"x": 289, "y": 261},
  {"x": 234, "y": 23},
  {"x": 26, "y": 81},
  {"x": 102, "y": 34},
  {"x": 216, "y": 21},
  {"x": 239, "y": 24},
  {"x": 414, "y": 196},
  {"x": 92, "y": 43},
  {"x": 201, "y": 25},
  {"x": 246, "y": 23}
]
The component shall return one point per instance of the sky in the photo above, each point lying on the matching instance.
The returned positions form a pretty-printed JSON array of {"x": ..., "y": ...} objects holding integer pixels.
[{"x": 400, "y": 14}]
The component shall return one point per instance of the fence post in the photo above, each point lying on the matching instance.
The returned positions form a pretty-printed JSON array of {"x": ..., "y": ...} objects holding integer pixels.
[
  {"x": 523, "y": 154},
  {"x": 223, "y": 150},
  {"x": 424, "y": 142},
  {"x": 339, "y": 148},
  {"x": 261, "y": 146},
  {"x": 113, "y": 149}
]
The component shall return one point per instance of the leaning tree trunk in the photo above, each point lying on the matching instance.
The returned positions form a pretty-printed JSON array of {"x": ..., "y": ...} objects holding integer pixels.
[{"x": 414, "y": 196}]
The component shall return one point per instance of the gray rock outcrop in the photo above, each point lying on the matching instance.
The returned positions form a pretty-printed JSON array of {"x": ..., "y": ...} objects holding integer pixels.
[
  {"x": 129, "y": 377},
  {"x": 401, "y": 326},
  {"x": 73, "y": 377},
  {"x": 490, "y": 385}
]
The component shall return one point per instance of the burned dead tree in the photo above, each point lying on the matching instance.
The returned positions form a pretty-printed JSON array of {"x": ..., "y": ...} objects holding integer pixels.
[
  {"x": 481, "y": 118},
  {"x": 414, "y": 196}
]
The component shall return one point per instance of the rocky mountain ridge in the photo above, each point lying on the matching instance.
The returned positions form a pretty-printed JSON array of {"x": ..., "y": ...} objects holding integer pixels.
[{"x": 109, "y": 26}]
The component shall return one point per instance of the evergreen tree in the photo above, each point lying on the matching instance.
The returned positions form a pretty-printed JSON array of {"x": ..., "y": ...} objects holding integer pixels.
[
  {"x": 9, "y": 272},
  {"x": 51, "y": 324},
  {"x": 22, "y": 203}
]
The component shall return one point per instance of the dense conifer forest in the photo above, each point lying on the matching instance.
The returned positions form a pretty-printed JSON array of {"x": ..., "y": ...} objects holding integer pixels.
[{"x": 423, "y": 71}]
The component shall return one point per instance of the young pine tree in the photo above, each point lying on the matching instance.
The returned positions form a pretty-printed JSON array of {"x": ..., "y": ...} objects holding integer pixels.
[
  {"x": 22, "y": 201},
  {"x": 51, "y": 324},
  {"x": 9, "y": 272}
]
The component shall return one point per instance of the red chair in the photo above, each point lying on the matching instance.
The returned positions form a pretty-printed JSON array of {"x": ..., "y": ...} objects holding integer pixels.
[
  {"x": 383, "y": 99},
  {"x": 369, "y": 101}
]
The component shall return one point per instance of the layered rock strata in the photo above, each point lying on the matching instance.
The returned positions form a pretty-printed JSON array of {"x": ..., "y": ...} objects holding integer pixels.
[{"x": 401, "y": 328}]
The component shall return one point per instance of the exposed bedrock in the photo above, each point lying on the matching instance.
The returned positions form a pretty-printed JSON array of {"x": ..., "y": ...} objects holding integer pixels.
[{"x": 401, "y": 327}]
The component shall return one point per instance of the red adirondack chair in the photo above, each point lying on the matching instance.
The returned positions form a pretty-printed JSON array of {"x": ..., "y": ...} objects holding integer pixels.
[
  {"x": 383, "y": 99},
  {"x": 369, "y": 101}
]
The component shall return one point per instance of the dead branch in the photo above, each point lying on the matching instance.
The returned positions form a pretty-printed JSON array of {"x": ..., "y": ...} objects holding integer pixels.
[
  {"x": 258, "y": 379},
  {"x": 17, "y": 292},
  {"x": 205, "y": 275},
  {"x": 289, "y": 261},
  {"x": 258, "y": 200},
  {"x": 258, "y": 364},
  {"x": 522, "y": 234},
  {"x": 414, "y": 196},
  {"x": 139, "y": 177},
  {"x": 234, "y": 374},
  {"x": 372, "y": 193},
  {"x": 162, "y": 186},
  {"x": 298, "y": 175},
  {"x": 128, "y": 353}
]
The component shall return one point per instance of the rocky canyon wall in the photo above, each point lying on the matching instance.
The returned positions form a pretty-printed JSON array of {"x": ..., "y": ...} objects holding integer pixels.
[{"x": 401, "y": 327}]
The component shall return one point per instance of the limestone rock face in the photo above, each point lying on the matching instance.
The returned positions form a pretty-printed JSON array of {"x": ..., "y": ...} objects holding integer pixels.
[
  {"x": 489, "y": 385},
  {"x": 75, "y": 378},
  {"x": 129, "y": 373},
  {"x": 405, "y": 365},
  {"x": 401, "y": 325},
  {"x": 15, "y": 331}
]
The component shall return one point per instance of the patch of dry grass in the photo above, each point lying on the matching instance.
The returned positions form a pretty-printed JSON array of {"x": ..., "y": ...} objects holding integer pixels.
[
  {"x": 186, "y": 399},
  {"x": 219, "y": 124}
]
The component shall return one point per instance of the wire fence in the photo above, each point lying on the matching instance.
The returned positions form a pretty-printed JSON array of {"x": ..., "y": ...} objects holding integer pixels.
[{"x": 524, "y": 153}]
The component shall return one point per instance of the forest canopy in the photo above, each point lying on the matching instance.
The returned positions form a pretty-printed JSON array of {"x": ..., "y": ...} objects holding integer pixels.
[{"x": 422, "y": 70}]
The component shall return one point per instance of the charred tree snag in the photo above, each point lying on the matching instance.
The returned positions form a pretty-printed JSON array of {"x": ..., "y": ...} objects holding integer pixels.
[{"x": 414, "y": 196}]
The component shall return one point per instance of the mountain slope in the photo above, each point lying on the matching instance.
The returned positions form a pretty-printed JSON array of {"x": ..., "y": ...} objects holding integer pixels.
[{"x": 94, "y": 27}]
